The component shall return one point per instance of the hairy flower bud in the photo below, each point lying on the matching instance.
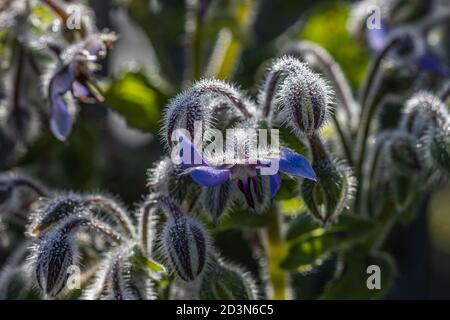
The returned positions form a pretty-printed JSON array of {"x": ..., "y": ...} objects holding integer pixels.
[
  {"x": 52, "y": 211},
  {"x": 186, "y": 245},
  {"x": 303, "y": 96},
  {"x": 195, "y": 105},
  {"x": 422, "y": 112},
  {"x": 437, "y": 147},
  {"x": 227, "y": 282},
  {"x": 329, "y": 197},
  {"x": 52, "y": 256},
  {"x": 402, "y": 153},
  {"x": 167, "y": 178},
  {"x": 112, "y": 280},
  {"x": 217, "y": 199},
  {"x": 118, "y": 278}
]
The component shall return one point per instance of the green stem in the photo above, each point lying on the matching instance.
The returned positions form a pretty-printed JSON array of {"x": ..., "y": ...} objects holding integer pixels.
[
  {"x": 344, "y": 140},
  {"x": 369, "y": 107},
  {"x": 385, "y": 224},
  {"x": 276, "y": 251}
]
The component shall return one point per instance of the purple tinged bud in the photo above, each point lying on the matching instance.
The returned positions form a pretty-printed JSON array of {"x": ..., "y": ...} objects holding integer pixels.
[
  {"x": 403, "y": 154},
  {"x": 49, "y": 212},
  {"x": 303, "y": 96},
  {"x": 217, "y": 199},
  {"x": 197, "y": 104},
  {"x": 186, "y": 246},
  {"x": 422, "y": 112},
  {"x": 52, "y": 256},
  {"x": 119, "y": 275}
]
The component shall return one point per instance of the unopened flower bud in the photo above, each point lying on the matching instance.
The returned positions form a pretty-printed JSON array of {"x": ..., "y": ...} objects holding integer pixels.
[
  {"x": 437, "y": 147},
  {"x": 52, "y": 256},
  {"x": 195, "y": 105},
  {"x": 304, "y": 97},
  {"x": 51, "y": 211},
  {"x": 217, "y": 199},
  {"x": 118, "y": 276},
  {"x": 167, "y": 178},
  {"x": 402, "y": 153},
  {"x": 327, "y": 198},
  {"x": 227, "y": 282},
  {"x": 422, "y": 112},
  {"x": 186, "y": 246}
]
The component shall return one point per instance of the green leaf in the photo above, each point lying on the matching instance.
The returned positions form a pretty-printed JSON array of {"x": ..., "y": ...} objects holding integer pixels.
[
  {"x": 328, "y": 27},
  {"x": 289, "y": 189},
  {"x": 302, "y": 225},
  {"x": 291, "y": 141},
  {"x": 240, "y": 216},
  {"x": 311, "y": 244},
  {"x": 133, "y": 97},
  {"x": 152, "y": 268},
  {"x": 352, "y": 284}
]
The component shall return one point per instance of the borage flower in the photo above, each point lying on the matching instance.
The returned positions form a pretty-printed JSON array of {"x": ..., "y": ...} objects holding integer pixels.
[
  {"x": 77, "y": 76},
  {"x": 410, "y": 45},
  {"x": 245, "y": 169}
]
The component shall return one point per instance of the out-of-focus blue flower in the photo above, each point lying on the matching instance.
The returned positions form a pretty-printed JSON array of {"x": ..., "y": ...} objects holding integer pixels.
[
  {"x": 245, "y": 175},
  {"x": 77, "y": 77},
  {"x": 425, "y": 60}
]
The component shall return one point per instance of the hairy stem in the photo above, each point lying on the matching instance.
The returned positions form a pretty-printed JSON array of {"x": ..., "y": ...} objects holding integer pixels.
[
  {"x": 237, "y": 99},
  {"x": 384, "y": 226},
  {"x": 318, "y": 150},
  {"x": 146, "y": 214},
  {"x": 368, "y": 111},
  {"x": 30, "y": 184},
  {"x": 373, "y": 71},
  {"x": 270, "y": 87},
  {"x": 104, "y": 229},
  {"x": 109, "y": 206},
  {"x": 276, "y": 250}
]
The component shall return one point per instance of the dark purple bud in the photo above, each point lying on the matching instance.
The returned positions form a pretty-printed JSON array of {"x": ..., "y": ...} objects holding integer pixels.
[{"x": 186, "y": 245}]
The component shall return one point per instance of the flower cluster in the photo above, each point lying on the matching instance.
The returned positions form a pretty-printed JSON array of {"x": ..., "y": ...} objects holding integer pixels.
[{"x": 337, "y": 173}]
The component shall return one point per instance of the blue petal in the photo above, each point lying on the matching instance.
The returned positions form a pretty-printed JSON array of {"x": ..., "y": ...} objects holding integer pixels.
[
  {"x": 208, "y": 176},
  {"x": 295, "y": 164},
  {"x": 431, "y": 63},
  {"x": 377, "y": 38},
  {"x": 195, "y": 158},
  {"x": 80, "y": 90},
  {"x": 62, "y": 81},
  {"x": 61, "y": 120},
  {"x": 275, "y": 185}
]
